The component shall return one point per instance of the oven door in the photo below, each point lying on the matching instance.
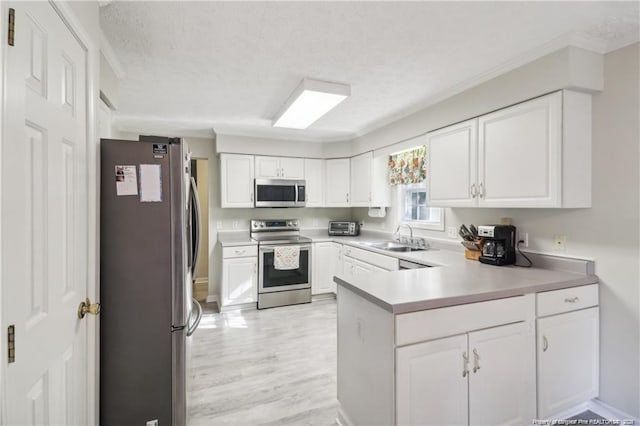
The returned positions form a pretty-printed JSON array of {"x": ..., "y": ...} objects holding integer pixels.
[
  {"x": 271, "y": 279},
  {"x": 279, "y": 193}
]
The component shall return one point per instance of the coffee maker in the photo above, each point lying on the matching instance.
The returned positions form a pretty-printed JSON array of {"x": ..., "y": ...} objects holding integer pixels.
[{"x": 499, "y": 244}]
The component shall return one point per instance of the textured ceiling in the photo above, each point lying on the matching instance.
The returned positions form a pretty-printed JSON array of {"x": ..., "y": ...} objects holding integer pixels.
[{"x": 194, "y": 66}]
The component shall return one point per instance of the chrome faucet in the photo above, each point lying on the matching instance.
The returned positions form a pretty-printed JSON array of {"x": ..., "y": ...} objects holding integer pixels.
[{"x": 399, "y": 238}]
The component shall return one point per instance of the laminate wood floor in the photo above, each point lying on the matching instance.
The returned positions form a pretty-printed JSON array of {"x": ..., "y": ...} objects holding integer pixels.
[{"x": 274, "y": 366}]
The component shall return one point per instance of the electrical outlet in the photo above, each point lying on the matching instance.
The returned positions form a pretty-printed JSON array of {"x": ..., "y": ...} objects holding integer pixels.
[
  {"x": 153, "y": 422},
  {"x": 559, "y": 242},
  {"x": 219, "y": 224},
  {"x": 236, "y": 224},
  {"x": 523, "y": 236},
  {"x": 452, "y": 232}
]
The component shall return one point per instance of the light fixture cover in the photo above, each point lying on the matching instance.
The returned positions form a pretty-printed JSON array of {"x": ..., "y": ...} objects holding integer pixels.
[{"x": 311, "y": 100}]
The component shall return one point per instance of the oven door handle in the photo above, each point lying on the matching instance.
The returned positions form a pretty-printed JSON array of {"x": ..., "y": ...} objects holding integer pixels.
[{"x": 269, "y": 248}]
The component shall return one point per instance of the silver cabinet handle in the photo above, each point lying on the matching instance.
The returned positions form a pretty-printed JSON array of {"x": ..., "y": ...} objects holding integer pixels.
[
  {"x": 473, "y": 191},
  {"x": 545, "y": 344},
  {"x": 476, "y": 360},
  {"x": 251, "y": 197},
  {"x": 347, "y": 197},
  {"x": 481, "y": 190},
  {"x": 572, "y": 299},
  {"x": 465, "y": 364},
  {"x": 240, "y": 251},
  {"x": 255, "y": 268}
]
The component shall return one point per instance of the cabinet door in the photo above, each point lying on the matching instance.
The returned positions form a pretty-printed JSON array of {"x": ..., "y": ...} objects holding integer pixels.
[
  {"x": 431, "y": 383},
  {"x": 520, "y": 155},
  {"x": 336, "y": 187},
  {"x": 239, "y": 280},
  {"x": 314, "y": 177},
  {"x": 361, "y": 180},
  {"x": 452, "y": 165},
  {"x": 267, "y": 167},
  {"x": 335, "y": 263},
  {"x": 322, "y": 270},
  {"x": 568, "y": 362},
  {"x": 502, "y": 375},
  {"x": 236, "y": 180},
  {"x": 292, "y": 168},
  {"x": 348, "y": 267}
]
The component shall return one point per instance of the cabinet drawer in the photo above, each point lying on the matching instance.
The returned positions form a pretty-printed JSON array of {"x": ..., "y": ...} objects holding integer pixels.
[
  {"x": 566, "y": 300},
  {"x": 385, "y": 262},
  {"x": 442, "y": 322},
  {"x": 239, "y": 251}
]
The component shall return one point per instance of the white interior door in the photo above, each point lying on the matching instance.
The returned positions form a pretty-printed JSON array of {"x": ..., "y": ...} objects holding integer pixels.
[{"x": 44, "y": 219}]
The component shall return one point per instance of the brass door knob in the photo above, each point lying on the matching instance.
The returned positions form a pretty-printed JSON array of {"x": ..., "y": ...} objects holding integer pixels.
[{"x": 86, "y": 307}]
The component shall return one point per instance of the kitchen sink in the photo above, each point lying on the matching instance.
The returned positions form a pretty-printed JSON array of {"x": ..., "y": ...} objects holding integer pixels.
[{"x": 394, "y": 246}]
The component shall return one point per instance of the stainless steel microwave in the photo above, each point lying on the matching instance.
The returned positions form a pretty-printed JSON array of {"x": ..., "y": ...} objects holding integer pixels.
[{"x": 279, "y": 193}]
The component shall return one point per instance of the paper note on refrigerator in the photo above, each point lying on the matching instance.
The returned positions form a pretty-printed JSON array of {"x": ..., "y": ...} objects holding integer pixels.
[
  {"x": 150, "y": 183},
  {"x": 126, "y": 180}
]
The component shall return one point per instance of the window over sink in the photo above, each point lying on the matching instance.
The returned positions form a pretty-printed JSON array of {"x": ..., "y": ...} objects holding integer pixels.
[
  {"x": 408, "y": 174},
  {"x": 414, "y": 210}
]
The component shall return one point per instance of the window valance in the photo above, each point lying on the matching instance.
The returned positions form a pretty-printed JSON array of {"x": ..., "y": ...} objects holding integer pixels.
[{"x": 408, "y": 166}]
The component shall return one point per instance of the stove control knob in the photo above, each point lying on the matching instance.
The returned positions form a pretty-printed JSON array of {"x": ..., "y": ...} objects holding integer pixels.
[
  {"x": 261, "y": 224},
  {"x": 289, "y": 223}
]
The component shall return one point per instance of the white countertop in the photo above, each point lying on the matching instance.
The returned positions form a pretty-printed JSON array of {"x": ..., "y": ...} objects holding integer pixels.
[
  {"x": 466, "y": 282},
  {"x": 235, "y": 238}
]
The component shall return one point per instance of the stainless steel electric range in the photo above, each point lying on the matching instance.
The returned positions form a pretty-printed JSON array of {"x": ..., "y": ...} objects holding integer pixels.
[{"x": 280, "y": 287}]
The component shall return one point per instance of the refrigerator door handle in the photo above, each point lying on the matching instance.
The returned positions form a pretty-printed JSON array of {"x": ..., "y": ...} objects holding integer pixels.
[
  {"x": 195, "y": 199},
  {"x": 192, "y": 328}
]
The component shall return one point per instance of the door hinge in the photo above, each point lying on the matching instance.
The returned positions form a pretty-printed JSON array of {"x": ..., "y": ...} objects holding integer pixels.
[
  {"x": 12, "y": 24},
  {"x": 11, "y": 346}
]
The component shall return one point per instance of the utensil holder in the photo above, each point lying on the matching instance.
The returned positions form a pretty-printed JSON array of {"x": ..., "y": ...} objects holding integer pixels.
[{"x": 472, "y": 249}]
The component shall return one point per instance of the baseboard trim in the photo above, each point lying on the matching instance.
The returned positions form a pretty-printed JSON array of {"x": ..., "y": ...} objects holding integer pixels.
[
  {"x": 323, "y": 296},
  {"x": 212, "y": 298},
  {"x": 342, "y": 419},
  {"x": 598, "y": 407},
  {"x": 241, "y": 307},
  {"x": 609, "y": 412},
  {"x": 202, "y": 281}
]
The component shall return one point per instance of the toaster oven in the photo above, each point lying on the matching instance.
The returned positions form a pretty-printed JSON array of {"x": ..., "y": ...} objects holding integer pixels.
[{"x": 346, "y": 228}]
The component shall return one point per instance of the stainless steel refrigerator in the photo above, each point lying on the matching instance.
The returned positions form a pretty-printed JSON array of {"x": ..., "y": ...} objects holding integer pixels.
[{"x": 149, "y": 241}]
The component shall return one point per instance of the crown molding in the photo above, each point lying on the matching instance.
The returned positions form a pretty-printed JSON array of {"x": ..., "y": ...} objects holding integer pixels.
[
  {"x": 111, "y": 57},
  {"x": 580, "y": 40}
]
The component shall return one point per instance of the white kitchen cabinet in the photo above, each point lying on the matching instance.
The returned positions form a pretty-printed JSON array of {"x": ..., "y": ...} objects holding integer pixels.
[
  {"x": 240, "y": 278},
  {"x": 279, "y": 167},
  {"x": 236, "y": 180},
  {"x": 337, "y": 182},
  {"x": 451, "y": 165},
  {"x": 502, "y": 376},
  {"x": 327, "y": 263},
  {"x": 568, "y": 363},
  {"x": 533, "y": 154},
  {"x": 314, "y": 177},
  {"x": 432, "y": 383},
  {"x": 490, "y": 373},
  {"x": 361, "y": 179},
  {"x": 369, "y": 185}
]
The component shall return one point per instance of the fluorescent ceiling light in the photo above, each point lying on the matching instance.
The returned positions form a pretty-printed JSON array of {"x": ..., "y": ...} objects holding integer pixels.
[{"x": 311, "y": 100}]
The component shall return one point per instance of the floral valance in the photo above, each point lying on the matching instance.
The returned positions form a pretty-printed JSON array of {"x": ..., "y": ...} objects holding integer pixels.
[{"x": 408, "y": 166}]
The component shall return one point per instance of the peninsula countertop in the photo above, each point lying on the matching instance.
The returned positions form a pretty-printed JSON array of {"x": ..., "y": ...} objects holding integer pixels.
[{"x": 468, "y": 282}]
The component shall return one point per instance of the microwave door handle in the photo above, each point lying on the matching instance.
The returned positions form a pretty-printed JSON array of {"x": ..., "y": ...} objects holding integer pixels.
[
  {"x": 297, "y": 200},
  {"x": 196, "y": 247}
]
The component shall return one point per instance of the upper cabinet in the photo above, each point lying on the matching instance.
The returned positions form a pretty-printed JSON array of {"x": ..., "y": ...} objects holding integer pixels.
[
  {"x": 533, "y": 154},
  {"x": 451, "y": 165},
  {"x": 369, "y": 186},
  {"x": 236, "y": 180},
  {"x": 279, "y": 167},
  {"x": 361, "y": 179},
  {"x": 337, "y": 180},
  {"x": 314, "y": 177}
]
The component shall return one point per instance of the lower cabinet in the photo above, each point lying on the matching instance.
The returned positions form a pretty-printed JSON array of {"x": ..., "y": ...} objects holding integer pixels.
[
  {"x": 483, "y": 377},
  {"x": 239, "y": 276},
  {"x": 327, "y": 263},
  {"x": 567, "y": 360}
]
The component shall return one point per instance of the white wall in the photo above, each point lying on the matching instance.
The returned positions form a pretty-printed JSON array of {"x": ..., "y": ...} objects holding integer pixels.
[{"x": 609, "y": 232}]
